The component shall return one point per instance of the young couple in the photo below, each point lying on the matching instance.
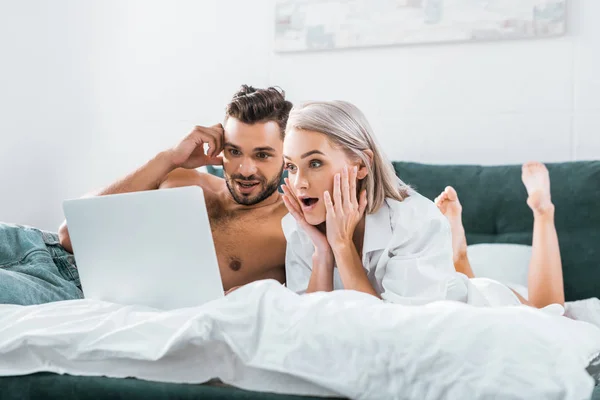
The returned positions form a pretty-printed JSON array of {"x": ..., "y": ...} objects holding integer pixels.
[{"x": 350, "y": 223}]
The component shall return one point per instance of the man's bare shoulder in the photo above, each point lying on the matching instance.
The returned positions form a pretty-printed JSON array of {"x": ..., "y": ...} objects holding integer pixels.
[{"x": 191, "y": 177}]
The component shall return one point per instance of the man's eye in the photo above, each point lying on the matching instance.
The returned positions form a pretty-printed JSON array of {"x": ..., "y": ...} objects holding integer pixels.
[
  {"x": 234, "y": 152},
  {"x": 263, "y": 156}
]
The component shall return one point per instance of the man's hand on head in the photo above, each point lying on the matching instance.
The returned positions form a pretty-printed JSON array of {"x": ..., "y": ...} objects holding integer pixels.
[{"x": 190, "y": 153}]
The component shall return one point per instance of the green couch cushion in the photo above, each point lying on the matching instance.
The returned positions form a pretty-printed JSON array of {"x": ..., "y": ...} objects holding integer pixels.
[
  {"x": 49, "y": 386},
  {"x": 495, "y": 210}
]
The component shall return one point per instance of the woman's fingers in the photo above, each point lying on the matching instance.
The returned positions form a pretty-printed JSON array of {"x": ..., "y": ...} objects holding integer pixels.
[
  {"x": 337, "y": 194},
  {"x": 289, "y": 191},
  {"x": 353, "y": 175},
  {"x": 346, "y": 199},
  {"x": 292, "y": 208},
  {"x": 362, "y": 204},
  {"x": 329, "y": 205},
  {"x": 290, "y": 201}
]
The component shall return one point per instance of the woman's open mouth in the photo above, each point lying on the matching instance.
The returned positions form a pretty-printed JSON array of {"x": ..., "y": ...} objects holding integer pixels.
[{"x": 308, "y": 203}]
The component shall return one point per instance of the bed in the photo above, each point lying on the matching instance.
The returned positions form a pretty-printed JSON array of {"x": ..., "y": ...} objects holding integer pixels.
[{"x": 494, "y": 206}]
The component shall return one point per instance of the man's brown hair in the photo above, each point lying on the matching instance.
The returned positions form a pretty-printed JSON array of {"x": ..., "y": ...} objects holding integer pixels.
[{"x": 250, "y": 106}]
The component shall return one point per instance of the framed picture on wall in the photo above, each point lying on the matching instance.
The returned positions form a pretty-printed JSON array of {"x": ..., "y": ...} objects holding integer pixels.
[{"x": 307, "y": 25}]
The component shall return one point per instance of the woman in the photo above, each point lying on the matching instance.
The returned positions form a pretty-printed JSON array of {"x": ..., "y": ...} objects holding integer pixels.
[{"x": 354, "y": 225}]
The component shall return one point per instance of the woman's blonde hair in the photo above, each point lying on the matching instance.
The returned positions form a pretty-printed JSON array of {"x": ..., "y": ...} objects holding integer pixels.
[{"x": 347, "y": 128}]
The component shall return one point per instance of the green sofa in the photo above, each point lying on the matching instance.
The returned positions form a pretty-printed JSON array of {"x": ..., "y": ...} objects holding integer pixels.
[{"x": 494, "y": 210}]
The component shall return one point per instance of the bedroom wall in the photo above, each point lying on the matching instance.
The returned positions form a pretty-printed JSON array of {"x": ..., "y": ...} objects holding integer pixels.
[
  {"x": 489, "y": 103},
  {"x": 90, "y": 90},
  {"x": 46, "y": 109}
]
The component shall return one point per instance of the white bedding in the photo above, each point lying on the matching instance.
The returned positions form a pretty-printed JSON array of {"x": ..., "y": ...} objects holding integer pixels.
[{"x": 264, "y": 337}]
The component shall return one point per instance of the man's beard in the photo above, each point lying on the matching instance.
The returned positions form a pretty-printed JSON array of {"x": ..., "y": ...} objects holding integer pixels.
[{"x": 268, "y": 187}]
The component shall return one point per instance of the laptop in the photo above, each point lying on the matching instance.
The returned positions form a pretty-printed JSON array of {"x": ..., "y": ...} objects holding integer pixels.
[{"x": 152, "y": 248}]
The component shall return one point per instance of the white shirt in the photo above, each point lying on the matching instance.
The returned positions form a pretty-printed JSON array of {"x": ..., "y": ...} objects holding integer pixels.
[{"x": 407, "y": 254}]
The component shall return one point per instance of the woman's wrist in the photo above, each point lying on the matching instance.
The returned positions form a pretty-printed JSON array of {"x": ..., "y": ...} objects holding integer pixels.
[
  {"x": 323, "y": 256},
  {"x": 321, "y": 277},
  {"x": 341, "y": 247}
]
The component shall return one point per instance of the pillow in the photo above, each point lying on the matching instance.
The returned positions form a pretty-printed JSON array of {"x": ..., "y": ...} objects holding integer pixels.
[{"x": 503, "y": 262}]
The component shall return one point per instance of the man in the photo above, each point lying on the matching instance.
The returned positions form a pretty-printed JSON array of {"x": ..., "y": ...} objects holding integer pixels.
[{"x": 245, "y": 208}]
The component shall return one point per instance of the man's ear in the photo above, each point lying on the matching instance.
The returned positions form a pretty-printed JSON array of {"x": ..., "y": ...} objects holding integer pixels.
[{"x": 362, "y": 169}]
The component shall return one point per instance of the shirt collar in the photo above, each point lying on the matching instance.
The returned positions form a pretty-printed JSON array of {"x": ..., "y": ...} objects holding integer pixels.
[{"x": 378, "y": 229}]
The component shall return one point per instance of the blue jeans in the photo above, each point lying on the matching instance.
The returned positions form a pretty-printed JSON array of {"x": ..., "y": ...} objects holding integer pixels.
[{"x": 35, "y": 268}]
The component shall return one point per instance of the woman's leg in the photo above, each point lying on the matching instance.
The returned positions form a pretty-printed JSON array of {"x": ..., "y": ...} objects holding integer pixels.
[
  {"x": 449, "y": 205},
  {"x": 545, "y": 281}
]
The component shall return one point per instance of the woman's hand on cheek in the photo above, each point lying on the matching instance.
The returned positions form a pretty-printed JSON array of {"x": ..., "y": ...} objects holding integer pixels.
[
  {"x": 344, "y": 210},
  {"x": 292, "y": 203}
]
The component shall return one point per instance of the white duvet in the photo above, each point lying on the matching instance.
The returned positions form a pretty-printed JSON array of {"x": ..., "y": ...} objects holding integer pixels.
[{"x": 265, "y": 337}]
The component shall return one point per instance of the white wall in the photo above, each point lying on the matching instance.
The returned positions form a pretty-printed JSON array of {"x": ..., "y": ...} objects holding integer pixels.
[
  {"x": 91, "y": 89},
  {"x": 586, "y": 72},
  {"x": 45, "y": 107},
  {"x": 498, "y": 102}
]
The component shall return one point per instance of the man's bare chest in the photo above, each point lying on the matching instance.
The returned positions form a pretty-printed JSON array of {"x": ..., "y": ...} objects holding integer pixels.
[{"x": 249, "y": 247}]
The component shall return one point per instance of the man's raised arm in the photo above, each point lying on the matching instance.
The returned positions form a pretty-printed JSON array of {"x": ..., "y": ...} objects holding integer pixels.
[{"x": 188, "y": 154}]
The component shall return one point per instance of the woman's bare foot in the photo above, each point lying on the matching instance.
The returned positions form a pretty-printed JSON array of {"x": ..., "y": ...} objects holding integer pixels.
[
  {"x": 449, "y": 205},
  {"x": 537, "y": 182}
]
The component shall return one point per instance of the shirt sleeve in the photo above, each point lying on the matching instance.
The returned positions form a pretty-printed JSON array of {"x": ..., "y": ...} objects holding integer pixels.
[
  {"x": 297, "y": 270},
  {"x": 297, "y": 260},
  {"x": 420, "y": 268}
]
